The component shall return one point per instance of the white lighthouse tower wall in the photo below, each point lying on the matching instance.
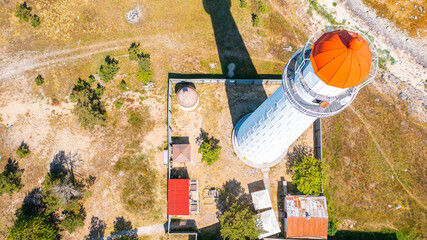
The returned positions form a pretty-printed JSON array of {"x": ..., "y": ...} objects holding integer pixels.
[{"x": 262, "y": 138}]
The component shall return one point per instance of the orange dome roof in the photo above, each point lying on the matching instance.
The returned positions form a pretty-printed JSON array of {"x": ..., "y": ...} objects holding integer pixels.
[{"x": 341, "y": 58}]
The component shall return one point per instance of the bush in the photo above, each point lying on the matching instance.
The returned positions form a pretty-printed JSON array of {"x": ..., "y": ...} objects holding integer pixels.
[
  {"x": 88, "y": 107},
  {"x": 243, "y": 3},
  {"x": 35, "y": 21},
  {"x": 144, "y": 62},
  {"x": 10, "y": 178},
  {"x": 91, "y": 79},
  {"x": 261, "y": 7},
  {"x": 134, "y": 52},
  {"x": 144, "y": 77},
  {"x": 118, "y": 104},
  {"x": 308, "y": 176},
  {"x": 209, "y": 149},
  {"x": 23, "y": 11},
  {"x": 332, "y": 227},
  {"x": 334, "y": 4},
  {"x": 72, "y": 222},
  {"x": 33, "y": 227},
  {"x": 256, "y": 22},
  {"x": 239, "y": 223},
  {"x": 39, "y": 80},
  {"x": 108, "y": 69},
  {"x": 22, "y": 151},
  {"x": 99, "y": 90},
  {"x": 122, "y": 85}
]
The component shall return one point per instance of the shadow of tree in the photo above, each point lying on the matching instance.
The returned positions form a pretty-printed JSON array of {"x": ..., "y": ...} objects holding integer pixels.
[
  {"x": 298, "y": 153},
  {"x": 96, "y": 229},
  {"x": 123, "y": 230},
  {"x": 33, "y": 204},
  {"x": 204, "y": 137},
  {"x": 231, "y": 191}
]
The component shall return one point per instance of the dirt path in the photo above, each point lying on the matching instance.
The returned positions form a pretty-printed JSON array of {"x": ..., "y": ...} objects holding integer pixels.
[
  {"x": 386, "y": 158},
  {"x": 141, "y": 231}
]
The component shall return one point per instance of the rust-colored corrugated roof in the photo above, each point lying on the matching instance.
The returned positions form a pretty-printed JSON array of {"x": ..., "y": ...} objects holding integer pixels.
[
  {"x": 178, "y": 197},
  {"x": 341, "y": 58},
  {"x": 181, "y": 153},
  {"x": 307, "y": 217}
]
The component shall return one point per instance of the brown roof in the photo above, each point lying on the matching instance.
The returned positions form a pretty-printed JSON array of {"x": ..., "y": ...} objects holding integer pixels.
[
  {"x": 181, "y": 152},
  {"x": 307, "y": 217}
]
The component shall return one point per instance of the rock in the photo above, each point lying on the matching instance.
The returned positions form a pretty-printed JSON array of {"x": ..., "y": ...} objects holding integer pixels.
[
  {"x": 389, "y": 206},
  {"x": 289, "y": 49},
  {"x": 377, "y": 100},
  {"x": 398, "y": 207},
  {"x": 133, "y": 15},
  {"x": 415, "y": 17},
  {"x": 402, "y": 96},
  {"x": 421, "y": 8},
  {"x": 10, "y": 127},
  {"x": 392, "y": 177},
  {"x": 212, "y": 65},
  {"x": 402, "y": 9},
  {"x": 122, "y": 173}
]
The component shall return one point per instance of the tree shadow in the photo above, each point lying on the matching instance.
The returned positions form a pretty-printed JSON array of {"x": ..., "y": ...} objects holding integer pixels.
[
  {"x": 231, "y": 191},
  {"x": 211, "y": 232},
  {"x": 23, "y": 144},
  {"x": 179, "y": 173},
  {"x": 180, "y": 140},
  {"x": 123, "y": 229},
  {"x": 356, "y": 235},
  {"x": 33, "y": 204},
  {"x": 96, "y": 229},
  {"x": 256, "y": 186},
  {"x": 204, "y": 137},
  {"x": 298, "y": 153},
  {"x": 233, "y": 54}
]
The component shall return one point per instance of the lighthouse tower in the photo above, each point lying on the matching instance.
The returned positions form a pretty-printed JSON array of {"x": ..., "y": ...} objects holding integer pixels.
[{"x": 320, "y": 80}]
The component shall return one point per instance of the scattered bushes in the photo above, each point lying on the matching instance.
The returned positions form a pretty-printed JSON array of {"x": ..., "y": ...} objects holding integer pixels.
[
  {"x": 144, "y": 63},
  {"x": 22, "y": 151},
  {"x": 243, "y": 3},
  {"x": 108, "y": 69},
  {"x": 144, "y": 77},
  {"x": 33, "y": 227},
  {"x": 239, "y": 223},
  {"x": 10, "y": 178},
  {"x": 23, "y": 12},
  {"x": 99, "y": 90},
  {"x": 91, "y": 79},
  {"x": 134, "y": 52},
  {"x": 139, "y": 183},
  {"x": 256, "y": 22},
  {"x": 209, "y": 149},
  {"x": 39, "y": 80},
  {"x": 261, "y": 7},
  {"x": 308, "y": 175},
  {"x": 88, "y": 107}
]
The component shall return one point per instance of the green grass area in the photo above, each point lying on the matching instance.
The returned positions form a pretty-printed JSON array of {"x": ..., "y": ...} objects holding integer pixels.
[{"x": 377, "y": 178}]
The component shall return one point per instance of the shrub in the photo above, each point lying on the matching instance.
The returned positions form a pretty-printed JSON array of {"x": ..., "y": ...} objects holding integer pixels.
[
  {"x": 23, "y": 11},
  {"x": 134, "y": 52},
  {"x": 118, "y": 104},
  {"x": 73, "y": 221},
  {"x": 39, "y": 80},
  {"x": 91, "y": 79},
  {"x": 88, "y": 107},
  {"x": 22, "y": 151},
  {"x": 239, "y": 223},
  {"x": 108, "y": 69},
  {"x": 99, "y": 90},
  {"x": 334, "y": 4},
  {"x": 144, "y": 62},
  {"x": 256, "y": 22},
  {"x": 139, "y": 183},
  {"x": 243, "y": 3},
  {"x": 35, "y": 21},
  {"x": 308, "y": 176},
  {"x": 261, "y": 7},
  {"x": 209, "y": 149},
  {"x": 33, "y": 227},
  {"x": 144, "y": 77},
  {"x": 122, "y": 85},
  {"x": 332, "y": 227},
  {"x": 10, "y": 178}
]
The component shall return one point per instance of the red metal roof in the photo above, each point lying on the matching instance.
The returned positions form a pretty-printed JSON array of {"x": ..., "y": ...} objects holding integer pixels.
[
  {"x": 307, "y": 217},
  {"x": 178, "y": 197}
]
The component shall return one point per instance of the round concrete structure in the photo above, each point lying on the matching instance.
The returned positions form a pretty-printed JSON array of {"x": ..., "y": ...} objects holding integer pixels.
[{"x": 187, "y": 98}]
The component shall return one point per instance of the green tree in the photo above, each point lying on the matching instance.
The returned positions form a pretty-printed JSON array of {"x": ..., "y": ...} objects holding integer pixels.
[
  {"x": 39, "y": 80},
  {"x": 210, "y": 152},
  {"x": 88, "y": 107},
  {"x": 308, "y": 175},
  {"x": 35, "y": 21},
  {"x": 243, "y": 3},
  {"x": 99, "y": 90},
  {"x": 134, "y": 52},
  {"x": 73, "y": 221},
  {"x": 91, "y": 79},
  {"x": 144, "y": 76},
  {"x": 23, "y": 12},
  {"x": 10, "y": 178},
  {"x": 332, "y": 227},
  {"x": 256, "y": 22},
  {"x": 239, "y": 223},
  {"x": 108, "y": 69},
  {"x": 122, "y": 85},
  {"x": 33, "y": 227},
  {"x": 22, "y": 151},
  {"x": 144, "y": 62}
]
